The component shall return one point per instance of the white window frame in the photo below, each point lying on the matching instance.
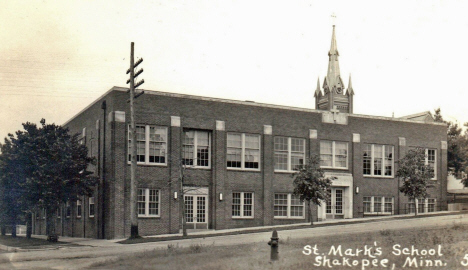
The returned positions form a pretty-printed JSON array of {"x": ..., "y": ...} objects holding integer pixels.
[
  {"x": 91, "y": 202},
  {"x": 334, "y": 154},
  {"x": 425, "y": 205},
  {"x": 383, "y": 161},
  {"x": 243, "y": 152},
  {"x": 67, "y": 207},
  {"x": 382, "y": 203},
  {"x": 289, "y": 153},
  {"x": 242, "y": 205},
  {"x": 147, "y": 145},
  {"x": 426, "y": 160},
  {"x": 195, "y": 148},
  {"x": 147, "y": 202},
  {"x": 288, "y": 208},
  {"x": 79, "y": 205}
]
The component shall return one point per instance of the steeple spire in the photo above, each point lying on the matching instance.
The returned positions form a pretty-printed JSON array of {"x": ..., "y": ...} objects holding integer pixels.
[
  {"x": 318, "y": 92},
  {"x": 333, "y": 87},
  {"x": 333, "y": 74}
]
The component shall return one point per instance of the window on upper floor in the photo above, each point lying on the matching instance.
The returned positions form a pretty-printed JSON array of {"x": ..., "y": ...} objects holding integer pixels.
[
  {"x": 78, "y": 208},
  {"x": 243, "y": 151},
  {"x": 333, "y": 154},
  {"x": 378, "y": 160},
  {"x": 196, "y": 149},
  {"x": 289, "y": 153},
  {"x": 151, "y": 144},
  {"x": 148, "y": 202},
  {"x": 242, "y": 205},
  {"x": 431, "y": 161}
]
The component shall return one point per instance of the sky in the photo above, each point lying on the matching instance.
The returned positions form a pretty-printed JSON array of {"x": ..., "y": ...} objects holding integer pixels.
[{"x": 405, "y": 57}]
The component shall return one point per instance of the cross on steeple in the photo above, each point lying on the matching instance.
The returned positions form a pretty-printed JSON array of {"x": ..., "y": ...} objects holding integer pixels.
[
  {"x": 333, "y": 16},
  {"x": 335, "y": 112}
]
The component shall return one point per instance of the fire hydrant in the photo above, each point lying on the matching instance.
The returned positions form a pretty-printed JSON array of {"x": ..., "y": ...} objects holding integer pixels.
[{"x": 274, "y": 243}]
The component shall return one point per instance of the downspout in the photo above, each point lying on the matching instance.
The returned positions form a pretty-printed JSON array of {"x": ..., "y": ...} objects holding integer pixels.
[{"x": 103, "y": 201}]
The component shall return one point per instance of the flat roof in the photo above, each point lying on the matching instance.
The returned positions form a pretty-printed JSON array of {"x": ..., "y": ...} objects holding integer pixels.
[{"x": 247, "y": 103}]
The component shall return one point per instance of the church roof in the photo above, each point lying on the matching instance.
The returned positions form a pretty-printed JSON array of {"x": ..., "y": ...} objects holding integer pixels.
[{"x": 420, "y": 117}]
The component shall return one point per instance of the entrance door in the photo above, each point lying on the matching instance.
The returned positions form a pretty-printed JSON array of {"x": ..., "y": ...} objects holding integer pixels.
[
  {"x": 335, "y": 204},
  {"x": 196, "y": 211}
]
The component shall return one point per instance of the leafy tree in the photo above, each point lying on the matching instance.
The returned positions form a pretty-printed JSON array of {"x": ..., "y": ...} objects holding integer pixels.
[
  {"x": 311, "y": 184},
  {"x": 415, "y": 175},
  {"x": 457, "y": 145},
  {"x": 48, "y": 167}
]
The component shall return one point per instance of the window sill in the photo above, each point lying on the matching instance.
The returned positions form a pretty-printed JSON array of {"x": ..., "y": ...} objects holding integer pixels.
[
  {"x": 334, "y": 168},
  {"x": 377, "y": 213},
  {"x": 286, "y": 172},
  {"x": 91, "y": 217},
  {"x": 145, "y": 217},
  {"x": 243, "y": 170},
  {"x": 198, "y": 168},
  {"x": 379, "y": 176},
  {"x": 149, "y": 164},
  {"x": 289, "y": 217},
  {"x": 242, "y": 217}
]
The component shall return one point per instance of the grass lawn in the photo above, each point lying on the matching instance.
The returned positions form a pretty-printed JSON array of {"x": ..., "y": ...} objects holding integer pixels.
[
  {"x": 23, "y": 242},
  {"x": 436, "y": 248}
]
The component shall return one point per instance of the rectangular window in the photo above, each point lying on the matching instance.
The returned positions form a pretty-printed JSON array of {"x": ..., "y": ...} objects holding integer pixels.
[
  {"x": 431, "y": 207},
  {"x": 334, "y": 154},
  {"x": 243, "y": 151},
  {"x": 148, "y": 202},
  {"x": 377, "y": 205},
  {"x": 242, "y": 204},
  {"x": 288, "y": 206},
  {"x": 68, "y": 209},
  {"x": 91, "y": 206},
  {"x": 78, "y": 208},
  {"x": 289, "y": 153},
  {"x": 196, "y": 148},
  {"x": 431, "y": 160},
  {"x": 377, "y": 160},
  {"x": 59, "y": 212},
  {"x": 151, "y": 144},
  {"x": 367, "y": 202}
]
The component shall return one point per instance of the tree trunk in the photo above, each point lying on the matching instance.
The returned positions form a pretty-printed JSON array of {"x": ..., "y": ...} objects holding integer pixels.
[
  {"x": 13, "y": 229},
  {"x": 28, "y": 225},
  {"x": 184, "y": 218},
  {"x": 50, "y": 224},
  {"x": 310, "y": 213},
  {"x": 415, "y": 208}
]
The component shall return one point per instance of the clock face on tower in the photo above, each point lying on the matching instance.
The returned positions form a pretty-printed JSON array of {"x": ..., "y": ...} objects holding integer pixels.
[{"x": 339, "y": 91}]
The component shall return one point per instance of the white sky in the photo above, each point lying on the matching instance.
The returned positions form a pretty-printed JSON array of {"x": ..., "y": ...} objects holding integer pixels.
[{"x": 405, "y": 57}]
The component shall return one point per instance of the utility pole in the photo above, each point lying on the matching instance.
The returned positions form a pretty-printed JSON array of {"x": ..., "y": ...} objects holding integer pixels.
[{"x": 133, "y": 188}]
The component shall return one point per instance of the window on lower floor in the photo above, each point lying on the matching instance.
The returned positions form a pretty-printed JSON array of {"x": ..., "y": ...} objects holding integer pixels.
[
  {"x": 242, "y": 204},
  {"x": 68, "y": 209},
  {"x": 78, "y": 208},
  {"x": 289, "y": 153},
  {"x": 91, "y": 206},
  {"x": 243, "y": 151},
  {"x": 378, "y": 205},
  {"x": 196, "y": 148},
  {"x": 59, "y": 212},
  {"x": 427, "y": 205},
  {"x": 377, "y": 160},
  {"x": 148, "y": 202},
  {"x": 288, "y": 205}
]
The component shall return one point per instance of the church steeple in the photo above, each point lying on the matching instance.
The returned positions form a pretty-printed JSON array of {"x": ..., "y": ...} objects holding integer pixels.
[{"x": 333, "y": 85}]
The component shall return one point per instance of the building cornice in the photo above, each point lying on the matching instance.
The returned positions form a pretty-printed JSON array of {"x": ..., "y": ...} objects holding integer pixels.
[{"x": 246, "y": 103}]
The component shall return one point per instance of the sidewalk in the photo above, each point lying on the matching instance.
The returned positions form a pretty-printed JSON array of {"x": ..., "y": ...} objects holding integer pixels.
[{"x": 90, "y": 242}]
